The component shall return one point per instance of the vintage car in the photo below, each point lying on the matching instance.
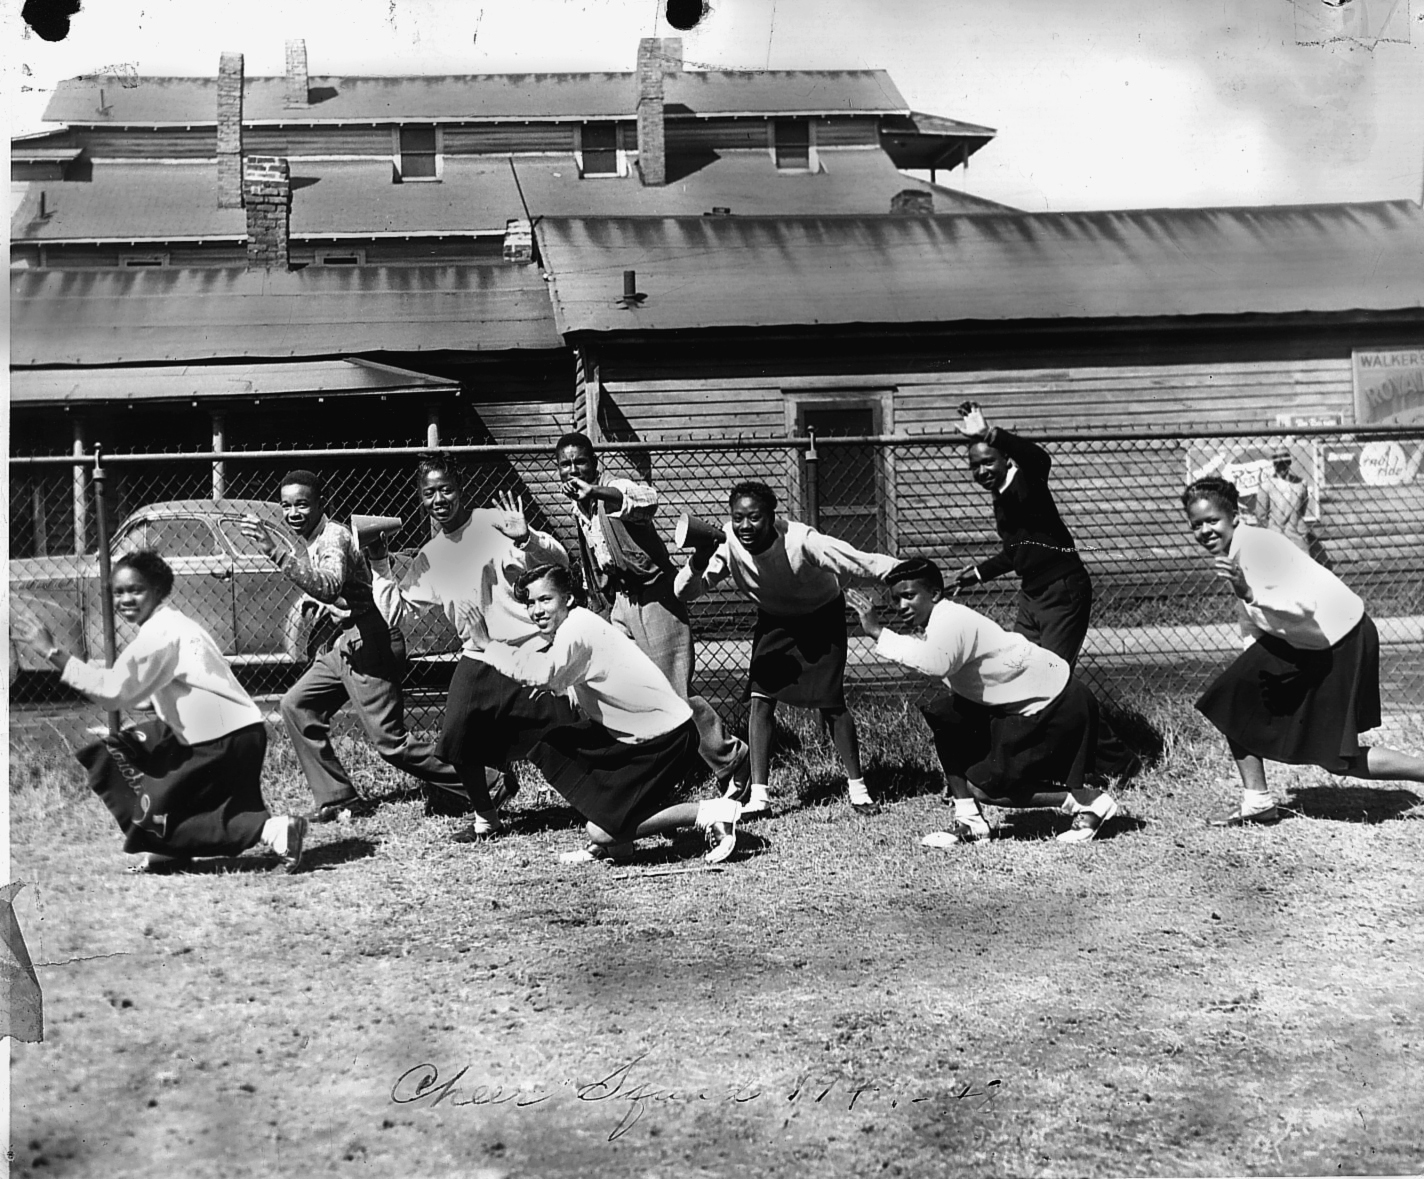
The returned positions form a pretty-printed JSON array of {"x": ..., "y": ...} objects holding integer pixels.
[{"x": 221, "y": 579}]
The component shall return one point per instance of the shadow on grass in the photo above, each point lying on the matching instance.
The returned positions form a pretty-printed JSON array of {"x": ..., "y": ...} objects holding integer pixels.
[
  {"x": 887, "y": 784},
  {"x": 545, "y": 818},
  {"x": 1027, "y": 826},
  {"x": 1136, "y": 732},
  {"x": 1356, "y": 804}
]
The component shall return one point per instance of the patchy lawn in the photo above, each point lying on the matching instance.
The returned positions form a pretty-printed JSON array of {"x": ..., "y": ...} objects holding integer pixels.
[{"x": 835, "y": 1000}]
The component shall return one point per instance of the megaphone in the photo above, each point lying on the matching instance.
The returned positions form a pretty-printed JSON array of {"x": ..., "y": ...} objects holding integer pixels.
[
  {"x": 368, "y": 528},
  {"x": 692, "y": 533}
]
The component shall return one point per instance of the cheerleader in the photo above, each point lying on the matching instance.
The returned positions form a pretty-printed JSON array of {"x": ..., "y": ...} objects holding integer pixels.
[
  {"x": 189, "y": 783},
  {"x": 1055, "y": 592},
  {"x": 1307, "y": 684},
  {"x": 467, "y": 569},
  {"x": 1019, "y": 729},
  {"x": 620, "y": 764},
  {"x": 794, "y": 574}
]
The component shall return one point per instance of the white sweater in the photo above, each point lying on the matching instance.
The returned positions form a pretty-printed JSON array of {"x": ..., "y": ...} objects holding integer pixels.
[
  {"x": 611, "y": 680},
  {"x": 979, "y": 660},
  {"x": 468, "y": 572},
  {"x": 1293, "y": 597},
  {"x": 177, "y": 664},
  {"x": 801, "y": 571}
]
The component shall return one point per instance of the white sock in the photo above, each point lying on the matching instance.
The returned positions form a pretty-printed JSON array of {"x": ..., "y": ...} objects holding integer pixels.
[
  {"x": 967, "y": 809},
  {"x": 1103, "y": 806},
  {"x": 1256, "y": 800},
  {"x": 717, "y": 810},
  {"x": 760, "y": 794},
  {"x": 274, "y": 834},
  {"x": 486, "y": 821},
  {"x": 858, "y": 792}
]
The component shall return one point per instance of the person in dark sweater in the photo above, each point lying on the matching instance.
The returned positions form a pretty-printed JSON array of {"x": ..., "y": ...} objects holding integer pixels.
[{"x": 1055, "y": 592}]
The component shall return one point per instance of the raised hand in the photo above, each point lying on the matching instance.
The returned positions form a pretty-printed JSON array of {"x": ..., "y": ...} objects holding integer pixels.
[
  {"x": 973, "y": 425},
  {"x": 32, "y": 632},
  {"x": 470, "y": 622},
  {"x": 258, "y": 532},
  {"x": 1230, "y": 571},
  {"x": 510, "y": 521},
  {"x": 862, "y": 604}
]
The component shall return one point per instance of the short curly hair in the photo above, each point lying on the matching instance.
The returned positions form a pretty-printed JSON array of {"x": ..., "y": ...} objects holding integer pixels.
[
  {"x": 752, "y": 489},
  {"x": 151, "y": 567},
  {"x": 1221, "y": 492}
]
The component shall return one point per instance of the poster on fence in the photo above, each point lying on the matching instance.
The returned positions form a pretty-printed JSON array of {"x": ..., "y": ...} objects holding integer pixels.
[
  {"x": 1389, "y": 386},
  {"x": 1246, "y": 462},
  {"x": 1381, "y": 462}
]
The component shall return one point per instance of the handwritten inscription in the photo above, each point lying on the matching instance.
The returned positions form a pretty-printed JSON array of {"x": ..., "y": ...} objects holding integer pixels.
[{"x": 632, "y": 1099}]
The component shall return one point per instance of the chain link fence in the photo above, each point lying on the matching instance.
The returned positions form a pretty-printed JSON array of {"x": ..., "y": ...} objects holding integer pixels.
[{"x": 1161, "y": 622}]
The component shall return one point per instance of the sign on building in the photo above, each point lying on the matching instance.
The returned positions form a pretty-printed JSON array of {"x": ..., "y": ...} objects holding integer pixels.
[{"x": 1389, "y": 387}]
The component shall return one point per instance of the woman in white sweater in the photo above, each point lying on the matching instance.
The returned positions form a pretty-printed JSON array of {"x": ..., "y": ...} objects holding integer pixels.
[
  {"x": 1019, "y": 730},
  {"x": 795, "y": 575},
  {"x": 1307, "y": 684},
  {"x": 620, "y": 764},
  {"x": 189, "y": 783}
]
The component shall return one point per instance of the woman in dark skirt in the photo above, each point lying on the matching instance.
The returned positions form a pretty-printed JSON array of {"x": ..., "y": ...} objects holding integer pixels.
[
  {"x": 1017, "y": 730},
  {"x": 1307, "y": 685},
  {"x": 795, "y": 576},
  {"x": 621, "y": 763},
  {"x": 189, "y": 783}
]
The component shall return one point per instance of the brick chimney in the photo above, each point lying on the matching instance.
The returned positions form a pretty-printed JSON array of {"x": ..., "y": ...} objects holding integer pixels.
[
  {"x": 652, "y": 146},
  {"x": 672, "y": 55},
  {"x": 912, "y": 202},
  {"x": 267, "y": 193},
  {"x": 230, "y": 131},
  {"x": 298, "y": 85}
]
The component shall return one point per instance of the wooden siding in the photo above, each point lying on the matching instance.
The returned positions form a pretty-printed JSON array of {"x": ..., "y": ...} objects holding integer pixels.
[
  {"x": 850, "y": 132},
  {"x": 159, "y": 143},
  {"x": 684, "y": 135},
  {"x": 516, "y": 137},
  {"x": 649, "y": 410}
]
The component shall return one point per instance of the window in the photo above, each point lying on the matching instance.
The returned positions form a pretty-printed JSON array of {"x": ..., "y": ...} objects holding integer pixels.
[
  {"x": 183, "y": 536},
  {"x": 417, "y": 153},
  {"x": 598, "y": 149},
  {"x": 136, "y": 260},
  {"x": 791, "y": 144},
  {"x": 341, "y": 257},
  {"x": 855, "y": 481}
]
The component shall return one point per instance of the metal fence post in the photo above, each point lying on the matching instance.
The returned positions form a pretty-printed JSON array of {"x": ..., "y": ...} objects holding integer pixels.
[
  {"x": 106, "y": 600},
  {"x": 813, "y": 490}
]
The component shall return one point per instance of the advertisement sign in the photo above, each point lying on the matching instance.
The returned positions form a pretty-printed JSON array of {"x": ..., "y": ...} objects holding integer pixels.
[
  {"x": 1389, "y": 387},
  {"x": 1247, "y": 462}
]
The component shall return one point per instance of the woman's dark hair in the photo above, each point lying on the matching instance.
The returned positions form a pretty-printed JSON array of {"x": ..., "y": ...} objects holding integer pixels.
[
  {"x": 559, "y": 576},
  {"x": 1221, "y": 492},
  {"x": 151, "y": 567},
  {"x": 754, "y": 490},
  {"x": 303, "y": 477},
  {"x": 438, "y": 460},
  {"x": 920, "y": 569}
]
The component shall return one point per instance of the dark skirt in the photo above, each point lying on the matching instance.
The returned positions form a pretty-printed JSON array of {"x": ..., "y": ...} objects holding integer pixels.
[
  {"x": 612, "y": 783},
  {"x": 181, "y": 800},
  {"x": 1009, "y": 756},
  {"x": 1298, "y": 706},
  {"x": 801, "y": 660},
  {"x": 491, "y": 719}
]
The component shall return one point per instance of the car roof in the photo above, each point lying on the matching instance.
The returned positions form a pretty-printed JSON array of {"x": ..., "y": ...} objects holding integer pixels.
[{"x": 207, "y": 508}]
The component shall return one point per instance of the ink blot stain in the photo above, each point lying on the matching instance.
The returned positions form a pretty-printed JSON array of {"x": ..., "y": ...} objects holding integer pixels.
[
  {"x": 49, "y": 18},
  {"x": 686, "y": 14}
]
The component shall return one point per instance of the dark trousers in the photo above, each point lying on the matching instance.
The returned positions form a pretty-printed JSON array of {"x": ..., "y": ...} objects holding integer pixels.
[
  {"x": 365, "y": 667},
  {"x": 492, "y": 720},
  {"x": 181, "y": 800},
  {"x": 1056, "y": 616}
]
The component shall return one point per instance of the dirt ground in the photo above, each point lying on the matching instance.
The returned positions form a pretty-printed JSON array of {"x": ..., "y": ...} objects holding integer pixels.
[{"x": 836, "y": 1000}]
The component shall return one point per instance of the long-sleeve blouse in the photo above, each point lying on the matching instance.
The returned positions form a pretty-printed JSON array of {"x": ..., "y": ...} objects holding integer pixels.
[
  {"x": 800, "y": 571},
  {"x": 605, "y": 673},
  {"x": 331, "y": 569},
  {"x": 469, "y": 573},
  {"x": 979, "y": 660},
  {"x": 178, "y": 665},
  {"x": 1293, "y": 597}
]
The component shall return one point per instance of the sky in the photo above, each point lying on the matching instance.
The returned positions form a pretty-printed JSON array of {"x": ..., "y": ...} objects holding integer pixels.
[{"x": 1102, "y": 104}]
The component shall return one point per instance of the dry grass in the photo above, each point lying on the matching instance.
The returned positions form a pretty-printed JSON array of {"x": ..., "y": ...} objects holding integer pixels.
[{"x": 838, "y": 1001}]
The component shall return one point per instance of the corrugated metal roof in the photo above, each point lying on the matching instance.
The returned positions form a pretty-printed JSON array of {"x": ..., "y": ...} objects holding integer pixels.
[
  {"x": 138, "y": 201},
  {"x": 336, "y": 378},
  {"x": 153, "y": 316},
  {"x": 741, "y": 272},
  {"x": 476, "y": 96}
]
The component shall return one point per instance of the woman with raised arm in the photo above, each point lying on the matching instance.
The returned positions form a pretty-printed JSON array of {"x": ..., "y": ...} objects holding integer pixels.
[
  {"x": 1307, "y": 684},
  {"x": 620, "y": 764},
  {"x": 795, "y": 575},
  {"x": 189, "y": 783},
  {"x": 468, "y": 569}
]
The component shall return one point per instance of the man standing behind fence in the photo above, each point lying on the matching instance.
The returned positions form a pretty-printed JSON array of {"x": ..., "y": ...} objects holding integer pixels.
[
  {"x": 626, "y": 563},
  {"x": 364, "y": 664},
  {"x": 1055, "y": 592},
  {"x": 1281, "y": 499}
]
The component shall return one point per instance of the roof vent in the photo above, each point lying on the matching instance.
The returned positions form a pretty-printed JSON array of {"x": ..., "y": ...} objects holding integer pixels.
[
  {"x": 631, "y": 299},
  {"x": 912, "y": 202}
]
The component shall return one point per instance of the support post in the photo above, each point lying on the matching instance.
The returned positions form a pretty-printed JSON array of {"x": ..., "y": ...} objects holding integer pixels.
[
  {"x": 432, "y": 426},
  {"x": 81, "y": 493},
  {"x": 813, "y": 491},
  {"x": 106, "y": 600},
  {"x": 219, "y": 447}
]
